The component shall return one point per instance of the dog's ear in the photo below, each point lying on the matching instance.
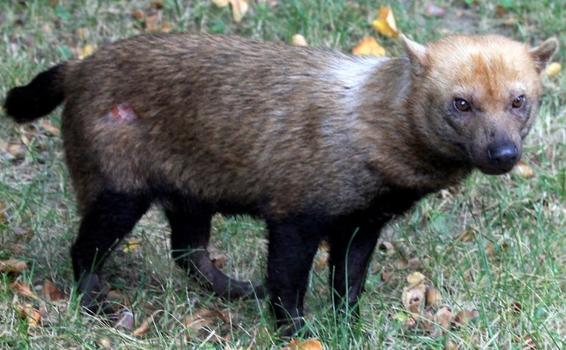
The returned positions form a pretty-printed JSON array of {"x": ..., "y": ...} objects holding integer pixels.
[
  {"x": 416, "y": 52},
  {"x": 544, "y": 52}
]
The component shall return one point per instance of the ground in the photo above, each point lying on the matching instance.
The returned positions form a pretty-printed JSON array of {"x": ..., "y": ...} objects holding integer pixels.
[{"x": 494, "y": 244}]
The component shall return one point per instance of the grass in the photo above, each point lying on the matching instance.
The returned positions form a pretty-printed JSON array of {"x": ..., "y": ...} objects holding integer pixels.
[{"x": 516, "y": 259}]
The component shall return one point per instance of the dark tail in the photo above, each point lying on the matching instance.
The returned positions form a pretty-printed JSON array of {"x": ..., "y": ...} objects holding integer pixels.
[{"x": 38, "y": 98}]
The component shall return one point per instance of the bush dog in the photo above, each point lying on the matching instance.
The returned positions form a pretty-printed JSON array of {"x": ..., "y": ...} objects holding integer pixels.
[{"x": 319, "y": 144}]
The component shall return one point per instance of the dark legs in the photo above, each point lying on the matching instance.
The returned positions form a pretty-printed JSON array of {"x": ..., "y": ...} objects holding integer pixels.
[
  {"x": 350, "y": 254},
  {"x": 292, "y": 246},
  {"x": 190, "y": 233},
  {"x": 105, "y": 222}
]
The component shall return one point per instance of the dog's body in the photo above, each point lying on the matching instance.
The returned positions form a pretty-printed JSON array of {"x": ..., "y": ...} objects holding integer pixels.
[{"x": 317, "y": 143}]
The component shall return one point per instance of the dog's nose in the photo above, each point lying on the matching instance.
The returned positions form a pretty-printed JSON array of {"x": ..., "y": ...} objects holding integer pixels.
[{"x": 503, "y": 155}]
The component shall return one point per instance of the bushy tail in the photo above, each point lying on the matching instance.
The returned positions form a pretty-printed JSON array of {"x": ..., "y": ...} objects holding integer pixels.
[{"x": 38, "y": 98}]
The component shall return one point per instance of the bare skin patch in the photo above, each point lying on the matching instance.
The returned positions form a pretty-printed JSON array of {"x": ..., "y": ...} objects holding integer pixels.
[{"x": 122, "y": 112}]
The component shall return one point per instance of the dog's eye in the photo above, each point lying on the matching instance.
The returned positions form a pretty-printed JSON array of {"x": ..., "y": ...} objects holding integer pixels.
[
  {"x": 518, "y": 101},
  {"x": 462, "y": 105}
]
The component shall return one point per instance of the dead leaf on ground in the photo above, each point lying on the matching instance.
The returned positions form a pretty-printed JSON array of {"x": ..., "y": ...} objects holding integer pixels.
[
  {"x": 464, "y": 317},
  {"x": 386, "y": 276},
  {"x": 443, "y": 317},
  {"x": 221, "y": 3},
  {"x": 138, "y": 15},
  {"x": 85, "y": 51},
  {"x": 309, "y": 344},
  {"x": 15, "y": 150},
  {"x": 132, "y": 245},
  {"x": 144, "y": 326},
  {"x": 523, "y": 170},
  {"x": 385, "y": 23},
  {"x": 105, "y": 343},
  {"x": 166, "y": 27},
  {"x": 156, "y": 4},
  {"x": 299, "y": 40},
  {"x": 24, "y": 290},
  {"x": 553, "y": 69},
  {"x": 413, "y": 298},
  {"x": 219, "y": 260},
  {"x": 450, "y": 345},
  {"x": 433, "y": 297},
  {"x": 239, "y": 7},
  {"x": 49, "y": 127},
  {"x": 368, "y": 47},
  {"x": 31, "y": 314},
  {"x": 468, "y": 235},
  {"x": 14, "y": 266},
  {"x": 151, "y": 22},
  {"x": 415, "y": 278},
  {"x": 51, "y": 292},
  {"x": 125, "y": 321},
  {"x": 202, "y": 318}
]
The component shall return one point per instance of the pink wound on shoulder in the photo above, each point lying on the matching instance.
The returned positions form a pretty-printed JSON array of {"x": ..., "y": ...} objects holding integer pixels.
[{"x": 123, "y": 112}]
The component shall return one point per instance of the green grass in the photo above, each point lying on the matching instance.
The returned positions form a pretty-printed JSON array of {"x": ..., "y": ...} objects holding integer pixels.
[{"x": 522, "y": 220}]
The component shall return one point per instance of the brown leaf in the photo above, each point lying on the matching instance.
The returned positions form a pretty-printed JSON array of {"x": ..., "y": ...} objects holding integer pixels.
[
  {"x": 433, "y": 297},
  {"x": 386, "y": 276},
  {"x": 450, "y": 345},
  {"x": 51, "y": 292},
  {"x": 443, "y": 317},
  {"x": 24, "y": 290},
  {"x": 299, "y": 40},
  {"x": 166, "y": 27},
  {"x": 219, "y": 260},
  {"x": 50, "y": 128},
  {"x": 202, "y": 318},
  {"x": 156, "y": 4},
  {"x": 415, "y": 278},
  {"x": 467, "y": 235},
  {"x": 86, "y": 51},
  {"x": 12, "y": 266},
  {"x": 16, "y": 150},
  {"x": 309, "y": 344},
  {"x": 144, "y": 326},
  {"x": 151, "y": 23},
  {"x": 523, "y": 170},
  {"x": 426, "y": 322},
  {"x": 368, "y": 47},
  {"x": 138, "y": 15},
  {"x": 125, "y": 321},
  {"x": 32, "y": 315},
  {"x": 132, "y": 245},
  {"x": 105, "y": 343},
  {"x": 413, "y": 298},
  {"x": 414, "y": 263},
  {"x": 239, "y": 9},
  {"x": 465, "y": 316},
  {"x": 385, "y": 23},
  {"x": 221, "y": 3}
]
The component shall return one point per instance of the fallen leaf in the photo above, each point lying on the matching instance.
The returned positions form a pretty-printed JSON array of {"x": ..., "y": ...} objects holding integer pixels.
[
  {"x": 467, "y": 235},
  {"x": 219, "y": 260},
  {"x": 105, "y": 343},
  {"x": 401, "y": 263},
  {"x": 144, "y": 326},
  {"x": 138, "y": 15},
  {"x": 443, "y": 317},
  {"x": 151, "y": 22},
  {"x": 433, "y": 297},
  {"x": 16, "y": 150},
  {"x": 523, "y": 170},
  {"x": 385, "y": 23},
  {"x": 450, "y": 345},
  {"x": 309, "y": 344},
  {"x": 50, "y": 128},
  {"x": 368, "y": 47},
  {"x": 51, "y": 292},
  {"x": 415, "y": 278},
  {"x": 32, "y": 315},
  {"x": 82, "y": 33},
  {"x": 414, "y": 263},
  {"x": 156, "y": 4},
  {"x": 86, "y": 51},
  {"x": 299, "y": 40},
  {"x": 432, "y": 10},
  {"x": 464, "y": 317},
  {"x": 166, "y": 27},
  {"x": 24, "y": 290},
  {"x": 413, "y": 298},
  {"x": 125, "y": 321},
  {"x": 202, "y": 318},
  {"x": 553, "y": 69},
  {"x": 386, "y": 276},
  {"x": 239, "y": 9},
  {"x": 426, "y": 322},
  {"x": 132, "y": 245},
  {"x": 12, "y": 266}
]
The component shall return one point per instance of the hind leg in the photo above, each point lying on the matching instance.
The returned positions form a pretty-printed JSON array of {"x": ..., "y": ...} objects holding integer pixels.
[
  {"x": 105, "y": 221},
  {"x": 190, "y": 233}
]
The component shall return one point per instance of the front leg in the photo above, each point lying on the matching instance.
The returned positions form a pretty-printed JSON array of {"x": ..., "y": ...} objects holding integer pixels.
[
  {"x": 292, "y": 246},
  {"x": 351, "y": 247}
]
